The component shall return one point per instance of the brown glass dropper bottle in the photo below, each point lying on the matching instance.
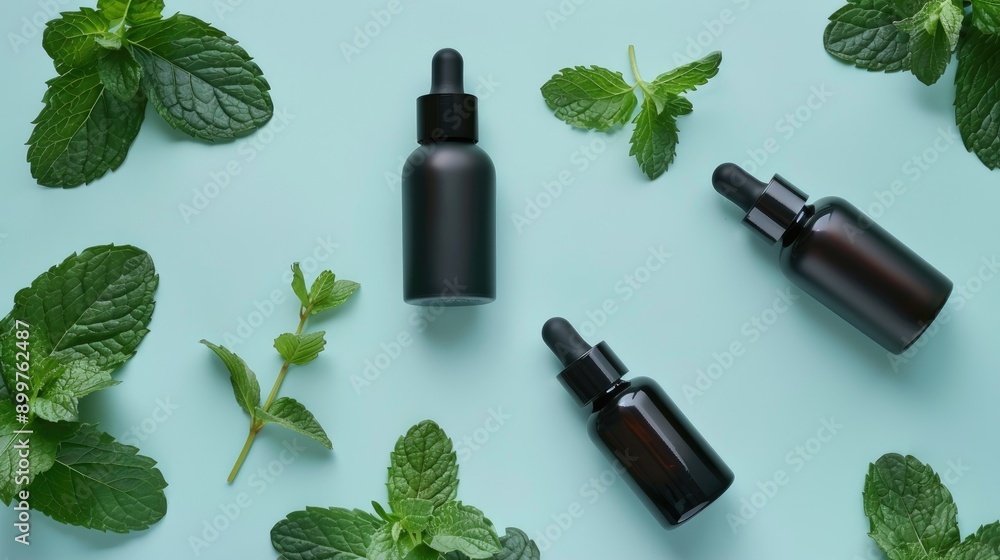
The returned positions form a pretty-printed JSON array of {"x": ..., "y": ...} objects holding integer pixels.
[{"x": 671, "y": 467}]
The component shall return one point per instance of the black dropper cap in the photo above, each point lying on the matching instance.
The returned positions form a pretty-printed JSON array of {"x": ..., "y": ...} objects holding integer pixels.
[
  {"x": 447, "y": 113},
  {"x": 771, "y": 208},
  {"x": 589, "y": 370}
]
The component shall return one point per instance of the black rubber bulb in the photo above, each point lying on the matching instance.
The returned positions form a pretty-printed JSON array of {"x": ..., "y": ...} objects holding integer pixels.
[
  {"x": 564, "y": 341},
  {"x": 740, "y": 187},
  {"x": 447, "y": 75}
]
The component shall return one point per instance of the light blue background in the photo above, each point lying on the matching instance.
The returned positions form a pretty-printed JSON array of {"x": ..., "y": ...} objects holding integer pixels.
[{"x": 321, "y": 175}]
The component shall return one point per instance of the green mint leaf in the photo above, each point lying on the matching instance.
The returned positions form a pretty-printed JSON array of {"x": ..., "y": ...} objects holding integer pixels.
[
  {"x": 64, "y": 385},
  {"x": 70, "y": 38},
  {"x": 908, "y": 508},
  {"x": 300, "y": 349},
  {"x": 325, "y": 534},
  {"x": 986, "y": 15},
  {"x": 906, "y": 8},
  {"x": 95, "y": 306},
  {"x": 423, "y": 465},
  {"x": 244, "y": 380},
  {"x": 977, "y": 96},
  {"x": 593, "y": 98},
  {"x": 120, "y": 73},
  {"x": 380, "y": 511},
  {"x": 336, "y": 295},
  {"x": 983, "y": 545},
  {"x": 423, "y": 552},
  {"x": 200, "y": 80},
  {"x": 517, "y": 546},
  {"x": 933, "y": 32},
  {"x": 44, "y": 444},
  {"x": 82, "y": 132},
  {"x": 689, "y": 76},
  {"x": 414, "y": 513},
  {"x": 462, "y": 528},
  {"x": 291, "y": 414},
  {"x": 101, "y": 484},
  {"x": 109, "y": 40},
  {"x": 299, "y": 285},
  {"x": 864, "y": 33},
  {"x": 131, "y": 11},
  {"x": 384, "y": 547},
  {"x": 654, "y": 140}
]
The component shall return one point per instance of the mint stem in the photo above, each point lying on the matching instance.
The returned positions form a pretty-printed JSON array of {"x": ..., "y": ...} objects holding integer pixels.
[
  {"x": 256, "y": 425},
  {"x": 635, "y": 67}
]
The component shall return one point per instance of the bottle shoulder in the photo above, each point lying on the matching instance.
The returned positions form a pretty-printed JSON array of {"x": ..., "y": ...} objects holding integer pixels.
[{"x": 452, "y": 154}]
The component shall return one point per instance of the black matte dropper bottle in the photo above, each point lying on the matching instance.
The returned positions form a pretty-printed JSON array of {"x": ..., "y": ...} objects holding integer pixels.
[
  {"x": 841, "y": 257},
  {"x": 671, "y": 467},
  {"x": 449, "y": 197}
]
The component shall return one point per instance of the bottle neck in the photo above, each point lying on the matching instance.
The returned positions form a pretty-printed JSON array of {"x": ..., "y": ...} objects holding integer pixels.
[
  {"x": 793, "y": 231},
  {"x": 609, "y": 395}
]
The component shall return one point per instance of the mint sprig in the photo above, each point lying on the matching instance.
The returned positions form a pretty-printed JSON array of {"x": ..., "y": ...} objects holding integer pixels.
[
  {"x": 112, "y": 60},
  {"x": 295, "y": 348},
  {"x": 73, "y": 328},
  {"x": 425, "y": 522},
  {"x": 913, "y": 516},
  {"x": 921, "y": 36},
  {"x": 596, "y": 98}
]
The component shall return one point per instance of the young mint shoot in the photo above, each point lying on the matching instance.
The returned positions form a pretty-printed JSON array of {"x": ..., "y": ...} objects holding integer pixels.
[{"x": 296, "y": 348}]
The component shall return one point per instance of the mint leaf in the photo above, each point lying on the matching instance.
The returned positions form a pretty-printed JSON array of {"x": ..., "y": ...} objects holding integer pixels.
[
  {"x": 423, "y": 465},
  {"x": 593, "y": 98},
  {"x": 244, "y": 380},
  {"x": 109, "y": 40},
  {"x": 689, "y": 76},
  {"x": 83, "y": 132},
  {"x": 44, "y": 443},
  {"x": 120, "y": 73},
  {"x": 99, "y": 483},
  {"x": 95, "y": 305},
  {"x": 292, "y": 414},
  {"x": 299, "y": 285},
  {"x": 300, "y": 349},
  {"x": 986, "y": 15},
  {"x": 337, "y": 294},
  {"x": 654, "y": 140},
  {"x": 322, "y": 287},
  {"x": 462, "y": 528},
  {"x": 70, "y": 38},
  {"x": 325, "y": 534},
  {"x": 864, "y": 33},
  {"x": 517, "y": 546},
  {"x": 909, "y": 508},
  {"x": 132, "y": 11},
  {"x": 384, "y": 547},
  {"x": 933, "y": 32},
  {"x": 983, "y": 545},
  {"x": 64, "y": 385},
  {"x": 977, "y": 98},
  {"x": 414, "y": 513},
  {"x": 200, "y": 80}
]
